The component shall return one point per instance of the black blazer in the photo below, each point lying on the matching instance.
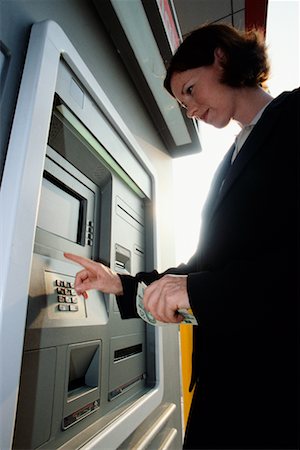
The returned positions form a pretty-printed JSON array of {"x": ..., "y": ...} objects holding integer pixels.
[{"x": 242, "y": 286}]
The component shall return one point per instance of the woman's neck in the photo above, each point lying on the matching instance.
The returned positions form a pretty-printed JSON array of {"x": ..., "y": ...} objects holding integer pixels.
[{"x": 250, "y": 100}]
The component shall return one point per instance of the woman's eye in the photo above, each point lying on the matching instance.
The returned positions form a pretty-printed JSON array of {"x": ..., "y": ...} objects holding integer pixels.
[{"x": 189, "y": 90}]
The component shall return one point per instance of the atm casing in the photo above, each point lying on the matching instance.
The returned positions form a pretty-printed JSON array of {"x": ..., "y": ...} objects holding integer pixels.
[{"x": 82, "y": 366}]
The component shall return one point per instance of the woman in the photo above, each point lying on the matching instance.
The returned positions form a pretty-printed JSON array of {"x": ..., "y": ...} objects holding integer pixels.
[{"x": 241, "y": 281}]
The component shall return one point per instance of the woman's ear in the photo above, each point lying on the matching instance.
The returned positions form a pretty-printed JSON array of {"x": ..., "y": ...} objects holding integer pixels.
[{"x": 219, "y": 56}]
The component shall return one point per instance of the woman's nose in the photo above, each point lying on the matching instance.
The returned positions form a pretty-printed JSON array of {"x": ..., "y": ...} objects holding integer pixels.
[{"x": 191, "y": 111}]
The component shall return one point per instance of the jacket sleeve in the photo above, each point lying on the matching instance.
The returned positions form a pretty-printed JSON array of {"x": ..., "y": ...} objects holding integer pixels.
[
  {"x": 126, "y": 302},
  {"x": 244, "y": 294}
]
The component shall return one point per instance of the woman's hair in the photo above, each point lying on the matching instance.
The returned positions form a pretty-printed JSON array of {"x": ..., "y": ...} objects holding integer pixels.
[{"x": 245, "y": 61}]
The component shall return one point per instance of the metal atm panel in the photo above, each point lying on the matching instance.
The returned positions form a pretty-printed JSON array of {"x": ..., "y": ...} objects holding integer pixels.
[{"x": 74, "y": 348}]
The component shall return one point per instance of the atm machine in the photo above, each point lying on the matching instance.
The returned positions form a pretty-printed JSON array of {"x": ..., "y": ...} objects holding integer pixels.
[{"x": 80, "y": 185}]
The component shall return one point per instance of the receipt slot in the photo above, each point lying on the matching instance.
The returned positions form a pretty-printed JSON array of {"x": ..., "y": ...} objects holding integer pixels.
[{"x": 86, "y": 375}]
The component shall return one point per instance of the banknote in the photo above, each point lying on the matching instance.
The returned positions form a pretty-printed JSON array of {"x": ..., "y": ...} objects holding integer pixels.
[{"x": 188, "y": 315}]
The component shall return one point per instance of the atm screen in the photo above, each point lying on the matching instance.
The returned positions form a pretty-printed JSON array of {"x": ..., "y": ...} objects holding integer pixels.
[{"x": 59, "y": 202}]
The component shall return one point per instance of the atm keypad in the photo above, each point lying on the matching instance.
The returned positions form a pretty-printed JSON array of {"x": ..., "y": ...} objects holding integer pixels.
[
  {"x": 66, "y": 296},
  {"x": 63, "y": 304}
]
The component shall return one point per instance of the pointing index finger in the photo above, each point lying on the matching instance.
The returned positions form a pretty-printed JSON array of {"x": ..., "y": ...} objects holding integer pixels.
[{"x": 84, "y": 262}]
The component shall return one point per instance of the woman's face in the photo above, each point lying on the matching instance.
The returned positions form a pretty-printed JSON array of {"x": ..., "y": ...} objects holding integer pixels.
[{"x": 204, "y": 97}]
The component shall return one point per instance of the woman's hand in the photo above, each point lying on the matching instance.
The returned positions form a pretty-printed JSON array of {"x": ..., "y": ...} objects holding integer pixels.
[
  {"x": 163, "y": 298},
  {"x": 95, "y": 276}
]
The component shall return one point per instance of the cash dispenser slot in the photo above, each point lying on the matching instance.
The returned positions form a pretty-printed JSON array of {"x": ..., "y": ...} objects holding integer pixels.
[
  {"x": 82, "y": 386},
  {"x": 83, "y": 369}
]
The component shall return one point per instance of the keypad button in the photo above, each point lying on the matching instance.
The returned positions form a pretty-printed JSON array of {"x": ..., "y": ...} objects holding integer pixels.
[
  {"x": 61, "y": 291},
  {"x": 63, "y": 307},
  {"x": 74, "y": 308},
  {"x": 74, "y": 300},
  {"x": 68, "y": 300},
  {"x": 61, "y": 298}
]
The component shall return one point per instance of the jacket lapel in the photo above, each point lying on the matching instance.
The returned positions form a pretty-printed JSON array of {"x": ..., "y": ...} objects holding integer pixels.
[
  {"x": 250, "y": 148},
  {"x": 216, "y": 184}
]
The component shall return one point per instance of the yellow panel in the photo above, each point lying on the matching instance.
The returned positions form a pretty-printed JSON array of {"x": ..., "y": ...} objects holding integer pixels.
[{"x": 186, "y": 338}]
